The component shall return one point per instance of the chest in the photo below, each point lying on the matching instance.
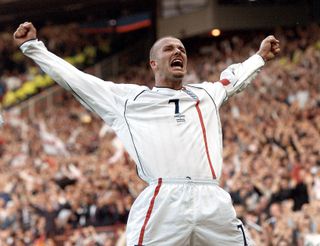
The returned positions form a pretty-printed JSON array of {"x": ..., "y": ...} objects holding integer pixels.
[{"x": 171, "y": 106}]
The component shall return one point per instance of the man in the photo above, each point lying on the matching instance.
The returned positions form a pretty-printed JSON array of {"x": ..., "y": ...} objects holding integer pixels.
[{"x": 172, "y": 132}]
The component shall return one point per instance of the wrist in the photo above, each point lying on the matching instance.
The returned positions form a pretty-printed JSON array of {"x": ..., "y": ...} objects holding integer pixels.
[
  {"x": 31, "y": 39},
  {"x": 264, "y": 58}
]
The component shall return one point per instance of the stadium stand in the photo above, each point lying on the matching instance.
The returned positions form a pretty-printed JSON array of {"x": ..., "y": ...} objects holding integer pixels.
[
  {"x": 65, "y": 178},
  {"x": 20, "y": 79}
]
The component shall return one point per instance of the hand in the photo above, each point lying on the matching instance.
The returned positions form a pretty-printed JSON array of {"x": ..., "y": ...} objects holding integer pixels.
[
  {"x": 24, "y": 32},
  {"x": 269, "y": 48}
]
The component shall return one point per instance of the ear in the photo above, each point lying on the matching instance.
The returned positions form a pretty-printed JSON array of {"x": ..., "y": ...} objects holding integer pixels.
[{"x": 153, "y": 64}]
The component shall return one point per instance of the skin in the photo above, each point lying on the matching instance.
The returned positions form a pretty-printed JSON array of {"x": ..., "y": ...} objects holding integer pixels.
[{"x": 162, "y": 54}]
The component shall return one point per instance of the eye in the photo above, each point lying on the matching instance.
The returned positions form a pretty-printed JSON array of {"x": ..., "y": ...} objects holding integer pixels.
[
  {"x": 167, "y": 48},
  {"x": 182, "y": 50}
]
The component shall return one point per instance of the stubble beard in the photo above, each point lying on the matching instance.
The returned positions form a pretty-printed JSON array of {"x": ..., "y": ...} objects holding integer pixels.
[{"x": 175, "y": 77}]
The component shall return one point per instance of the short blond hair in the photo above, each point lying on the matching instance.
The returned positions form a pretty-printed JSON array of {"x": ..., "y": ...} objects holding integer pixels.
[{"x": 153, "y": 50}]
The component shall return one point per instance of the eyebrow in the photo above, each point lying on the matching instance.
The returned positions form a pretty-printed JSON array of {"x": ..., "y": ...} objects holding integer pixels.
[{"x": 172, "y": 45}]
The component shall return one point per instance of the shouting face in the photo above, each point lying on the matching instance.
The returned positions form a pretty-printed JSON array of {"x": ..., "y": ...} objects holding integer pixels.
[{"x": 168, "y": 60}]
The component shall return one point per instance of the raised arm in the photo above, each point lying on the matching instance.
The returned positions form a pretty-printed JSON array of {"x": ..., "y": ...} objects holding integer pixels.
[
  {"x": 105, "y": 98},
  {"x": 238, "y": 76},
  {"x": 61, "y": 71}
]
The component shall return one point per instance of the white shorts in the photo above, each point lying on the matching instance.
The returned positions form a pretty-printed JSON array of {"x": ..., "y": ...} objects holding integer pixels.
[{"x": 182, "y": 212}]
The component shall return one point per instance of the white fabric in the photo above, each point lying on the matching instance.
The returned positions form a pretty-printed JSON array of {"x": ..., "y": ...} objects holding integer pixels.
[
  {"x": 185, "y": 213},
  {"x": 144, "y": 120},
  {"x": 240, "y": 75},
  {"x": 170, "y": 134}
]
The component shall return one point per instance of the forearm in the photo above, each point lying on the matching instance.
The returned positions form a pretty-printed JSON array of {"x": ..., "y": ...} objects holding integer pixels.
[
  {"x": 59, "y": 70},
  {"x": 238, "y": 76},
  {"x": 86, "y": 88},
  {"x": 105, "y": 98}
]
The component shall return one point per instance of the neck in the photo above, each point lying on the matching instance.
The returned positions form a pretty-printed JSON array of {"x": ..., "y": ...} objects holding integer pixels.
[{"x": 175, "y": 84}]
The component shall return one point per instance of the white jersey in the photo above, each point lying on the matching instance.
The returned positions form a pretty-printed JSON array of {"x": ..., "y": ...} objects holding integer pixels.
[{"x": 169, "y": 133}]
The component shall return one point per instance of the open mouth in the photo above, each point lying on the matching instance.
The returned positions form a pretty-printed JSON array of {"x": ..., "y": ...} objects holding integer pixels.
[{"x": 176, "y": 63}]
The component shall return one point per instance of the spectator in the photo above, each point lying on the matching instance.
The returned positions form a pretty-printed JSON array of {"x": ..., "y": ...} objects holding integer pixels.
[{"x": 272, "y": 136}]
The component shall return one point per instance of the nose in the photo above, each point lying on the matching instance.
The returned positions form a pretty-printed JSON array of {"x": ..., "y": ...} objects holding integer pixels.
[{"x": 177, "y": 51}]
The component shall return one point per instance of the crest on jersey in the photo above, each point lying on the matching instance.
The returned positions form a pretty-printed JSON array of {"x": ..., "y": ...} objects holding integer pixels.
[{"x": 180, "y": 118}]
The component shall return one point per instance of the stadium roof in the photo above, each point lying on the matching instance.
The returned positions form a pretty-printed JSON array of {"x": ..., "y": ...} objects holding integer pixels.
[{"x": 13, "y": 12}]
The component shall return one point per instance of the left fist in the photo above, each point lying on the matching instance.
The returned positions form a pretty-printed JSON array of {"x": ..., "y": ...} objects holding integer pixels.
[{"x": 269, "y": 48}]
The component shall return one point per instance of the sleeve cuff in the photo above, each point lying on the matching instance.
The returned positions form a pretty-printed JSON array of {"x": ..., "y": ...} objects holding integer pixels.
[
  {"x": 259, "y": 59},
  {"x": 24, "y": 46},
  {"x": 254, "y": 62}
]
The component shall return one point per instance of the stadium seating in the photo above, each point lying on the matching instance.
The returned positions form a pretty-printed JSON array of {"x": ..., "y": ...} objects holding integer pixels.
[{"x": 63, "y": 172}]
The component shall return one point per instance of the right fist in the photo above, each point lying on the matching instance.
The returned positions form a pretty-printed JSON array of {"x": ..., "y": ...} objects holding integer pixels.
[{"x": 24, "y": 32}]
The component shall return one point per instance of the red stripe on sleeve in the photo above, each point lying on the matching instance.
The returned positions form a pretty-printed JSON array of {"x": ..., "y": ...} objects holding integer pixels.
[{"x": 225, "y": 82}]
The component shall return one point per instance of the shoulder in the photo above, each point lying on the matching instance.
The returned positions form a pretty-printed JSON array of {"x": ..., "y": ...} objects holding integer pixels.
[
  {"x": 206, "y": 85},
  {"x": 132, "y": 87},
  {"x": 216, "y": 90},
  {"x": 132, "y": 90}
]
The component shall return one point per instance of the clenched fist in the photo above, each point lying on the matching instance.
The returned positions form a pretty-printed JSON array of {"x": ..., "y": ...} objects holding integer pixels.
[
  {"x": 24, "y": 32},
  {"x": 269, "y": 48}
]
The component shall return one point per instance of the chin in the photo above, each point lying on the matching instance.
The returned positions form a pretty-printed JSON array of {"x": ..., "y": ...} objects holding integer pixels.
[
  {"x": 178, "y": 78},
  {"x": 178, "y": 75}
]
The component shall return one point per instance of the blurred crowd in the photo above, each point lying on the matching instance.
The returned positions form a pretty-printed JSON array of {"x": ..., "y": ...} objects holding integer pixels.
[
  {"x": 61, "y": 171},
  {"x": 19, "y": 79},
  {"x": 272, "y": 142},
  {"x": 64, "y": 172}
]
